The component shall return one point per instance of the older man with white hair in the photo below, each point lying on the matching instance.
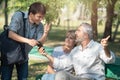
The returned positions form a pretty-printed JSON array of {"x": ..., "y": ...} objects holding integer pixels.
[{"x": 88, "y": 59}]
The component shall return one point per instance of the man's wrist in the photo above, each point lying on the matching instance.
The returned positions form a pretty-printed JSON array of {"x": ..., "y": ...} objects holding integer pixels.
[
  {"x": 46, "y": 32},
  {"x": 45, "y": 54}
]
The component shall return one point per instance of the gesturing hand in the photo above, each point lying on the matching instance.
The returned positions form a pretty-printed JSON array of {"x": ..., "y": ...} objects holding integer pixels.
[
  {"x": 104, "y": 41},
  {"x": 47, "y": 28}
]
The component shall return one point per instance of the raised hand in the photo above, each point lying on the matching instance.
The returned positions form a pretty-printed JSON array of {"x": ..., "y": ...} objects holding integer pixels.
[
  {"x": 104, "y": 41},
  {"x": 47, "y": 27}
]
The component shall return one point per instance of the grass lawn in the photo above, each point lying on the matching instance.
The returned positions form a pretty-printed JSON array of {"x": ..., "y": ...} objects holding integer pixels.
[{"x": 55, "y": 38}]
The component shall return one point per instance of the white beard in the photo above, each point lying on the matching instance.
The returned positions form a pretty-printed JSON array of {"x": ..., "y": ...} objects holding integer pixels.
[{"x": 79, "y": 40}]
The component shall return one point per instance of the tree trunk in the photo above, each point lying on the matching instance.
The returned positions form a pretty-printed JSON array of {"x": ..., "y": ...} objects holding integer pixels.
[
  {"x": 116, "y": 29},
  {"x": 94, "y": 18},
  {"x": 109, "y": 20},
  {"x": 5, "y": 13},
  {"x": 1, "y": 2}
]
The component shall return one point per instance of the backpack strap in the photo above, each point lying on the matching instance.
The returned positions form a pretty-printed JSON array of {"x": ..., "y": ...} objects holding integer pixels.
[
  {"x": 23, "y": 44},
  {"x": 23, "y": 14}
]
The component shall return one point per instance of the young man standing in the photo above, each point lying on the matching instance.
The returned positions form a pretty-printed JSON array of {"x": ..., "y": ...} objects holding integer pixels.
[{"x": 34, "y": 32}]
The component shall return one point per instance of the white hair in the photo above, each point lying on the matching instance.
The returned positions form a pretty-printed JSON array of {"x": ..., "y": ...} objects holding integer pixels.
[{"x": 87, "y": 28}]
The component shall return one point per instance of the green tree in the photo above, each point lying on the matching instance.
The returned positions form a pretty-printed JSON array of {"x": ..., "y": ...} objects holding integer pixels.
[
  {"x": 110, "y": 15},
  {"x": 5, "y": 13},
  {"x": 1, "y": 1},
  {"x": 93, "y": 7},
  {"x": 53, "y": 7},
  {"x": 94, "y": 17},
  {"x": 116, "y": 20}
]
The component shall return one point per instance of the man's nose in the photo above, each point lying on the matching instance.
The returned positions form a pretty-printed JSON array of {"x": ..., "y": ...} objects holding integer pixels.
[
  {"x": 40, "y": 19},
  {"x": 75, "y": 32}
]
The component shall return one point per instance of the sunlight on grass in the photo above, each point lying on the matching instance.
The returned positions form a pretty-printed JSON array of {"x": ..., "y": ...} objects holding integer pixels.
[{"x": 36, "y": 68}]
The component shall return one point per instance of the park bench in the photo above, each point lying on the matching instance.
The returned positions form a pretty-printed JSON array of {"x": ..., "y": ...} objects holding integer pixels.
[{"x": 113, "y": 70}]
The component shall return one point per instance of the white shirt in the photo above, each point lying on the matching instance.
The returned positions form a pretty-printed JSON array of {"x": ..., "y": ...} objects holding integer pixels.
[
  {"x": 60, "y": 54},
  {"x": 88, "y": 63}
]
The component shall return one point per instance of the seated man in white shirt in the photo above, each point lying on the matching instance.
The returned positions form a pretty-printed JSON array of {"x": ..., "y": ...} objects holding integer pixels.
[{"x": 87, "y": 59}]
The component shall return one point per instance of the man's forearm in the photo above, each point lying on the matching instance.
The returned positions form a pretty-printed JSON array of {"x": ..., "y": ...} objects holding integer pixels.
[
  {"x": 51, "y": 59},
  {"x": 50, "y": 69},
  {"x": 107, "y": 52},
  {"x": 44, "y": 37},
  {"x": 17, "y": 37}
]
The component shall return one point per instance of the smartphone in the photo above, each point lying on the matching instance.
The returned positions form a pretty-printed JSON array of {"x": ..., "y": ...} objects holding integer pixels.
[{"x": 39, "y": 44}]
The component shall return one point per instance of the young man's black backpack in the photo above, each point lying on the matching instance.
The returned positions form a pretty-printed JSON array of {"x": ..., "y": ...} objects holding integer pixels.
[
  {"x": 11, "y": 50},
  {"x": 5, "y": 26}
]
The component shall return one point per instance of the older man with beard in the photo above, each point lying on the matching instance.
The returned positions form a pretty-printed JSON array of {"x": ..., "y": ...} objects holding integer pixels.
[{"x": 87, "y": 59}]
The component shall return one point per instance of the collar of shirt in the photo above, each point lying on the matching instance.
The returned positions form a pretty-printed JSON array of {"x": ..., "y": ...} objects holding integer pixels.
[{"x": 90, "y": 44}]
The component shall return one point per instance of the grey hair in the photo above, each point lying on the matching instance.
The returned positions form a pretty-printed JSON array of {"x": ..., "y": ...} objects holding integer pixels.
[{"x": 87, "y": 28}]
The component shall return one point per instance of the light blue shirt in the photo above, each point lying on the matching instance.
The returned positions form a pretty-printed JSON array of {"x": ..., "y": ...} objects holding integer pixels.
[
  {"x": 88, "y": 63},
  {"x": 17, "y": 24}
]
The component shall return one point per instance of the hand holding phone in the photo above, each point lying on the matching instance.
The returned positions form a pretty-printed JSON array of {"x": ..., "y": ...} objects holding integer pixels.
[{"x": 39, "y": 44}]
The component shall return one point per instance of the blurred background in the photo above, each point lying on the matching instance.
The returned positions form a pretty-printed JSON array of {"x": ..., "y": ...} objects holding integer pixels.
[{"x": 103, "y": 15}]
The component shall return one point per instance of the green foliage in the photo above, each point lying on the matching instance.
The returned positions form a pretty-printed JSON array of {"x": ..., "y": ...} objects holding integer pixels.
[
  {"x": 87, "y": 3},
  {"x": 53, "y": 9},
  {"x": 117, "y": 7}
]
